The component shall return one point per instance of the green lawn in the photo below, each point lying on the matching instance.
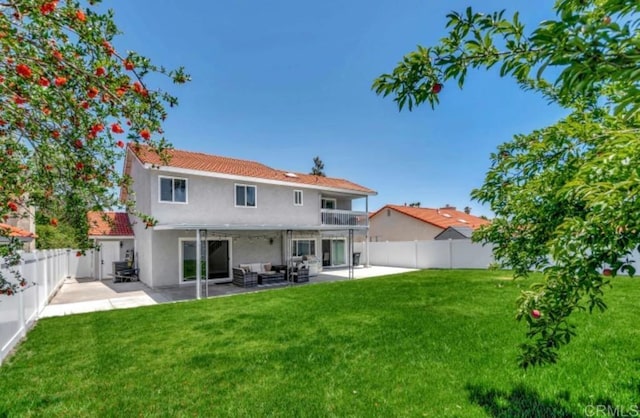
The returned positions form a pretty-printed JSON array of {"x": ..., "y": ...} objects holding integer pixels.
[{"x": 429, "y": 343}]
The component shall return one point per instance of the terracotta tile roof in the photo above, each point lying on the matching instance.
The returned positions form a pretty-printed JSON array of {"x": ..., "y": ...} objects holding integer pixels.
[
  {"x": 115, "y": 224},
  {"x": 17, "y": 232},
  {"x": 442, "y": 218},
  {"x": 233, "y": 166}
]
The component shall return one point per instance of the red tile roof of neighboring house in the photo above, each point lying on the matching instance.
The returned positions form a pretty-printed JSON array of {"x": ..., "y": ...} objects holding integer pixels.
[
  {"x": 442, "y": 218},
  {"x": 232, "y": 166},
  {"x": 115, "y": 224},
  {"x": 17, "y": 232}
]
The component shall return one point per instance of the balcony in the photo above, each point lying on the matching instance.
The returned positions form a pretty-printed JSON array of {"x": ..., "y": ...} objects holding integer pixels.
[{"x": 347, "y": 218}]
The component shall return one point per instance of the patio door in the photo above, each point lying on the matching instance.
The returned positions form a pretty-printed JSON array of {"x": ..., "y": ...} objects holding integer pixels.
[
  {"x": 216, "y": 255},
  {"x": 218, "y": 259},
  {"x": 334, "y": 252}
]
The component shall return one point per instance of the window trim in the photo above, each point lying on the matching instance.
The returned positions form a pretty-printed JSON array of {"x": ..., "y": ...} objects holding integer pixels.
[
  {"x": 295, "y": 192},
  {"x": 315, "y": 245},
  {"x": 173, "y": 201},
  {"x": 235, "y": 196}
]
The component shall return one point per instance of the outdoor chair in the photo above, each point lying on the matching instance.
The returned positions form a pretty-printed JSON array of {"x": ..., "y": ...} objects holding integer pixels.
[
  {"x": 244, "y": 278},
  {"x": 300, "y": 275},
  {"x": 122, "y": 272}
]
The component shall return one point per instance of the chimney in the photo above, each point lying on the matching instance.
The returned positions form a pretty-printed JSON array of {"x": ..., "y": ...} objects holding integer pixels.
[{"x": 448, "y": 207}]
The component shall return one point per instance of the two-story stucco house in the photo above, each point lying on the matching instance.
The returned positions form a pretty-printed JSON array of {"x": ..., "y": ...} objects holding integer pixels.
[{"x": 240, "y": 211}]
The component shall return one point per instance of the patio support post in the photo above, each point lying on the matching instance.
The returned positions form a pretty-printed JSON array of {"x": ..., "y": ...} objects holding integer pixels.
[
  {"x": 350, "y": 246},
  {"x": 366, "y": 237},
  {"x": 198, "y": 268},
  {"x": 206, "y": 263}
]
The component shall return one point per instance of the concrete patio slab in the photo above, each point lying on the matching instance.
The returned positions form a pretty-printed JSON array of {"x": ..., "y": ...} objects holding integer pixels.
[{"x": 90, "y": 295}]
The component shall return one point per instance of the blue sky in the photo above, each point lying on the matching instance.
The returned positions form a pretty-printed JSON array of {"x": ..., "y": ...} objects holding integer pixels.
[{"x": 282, "y": 81}]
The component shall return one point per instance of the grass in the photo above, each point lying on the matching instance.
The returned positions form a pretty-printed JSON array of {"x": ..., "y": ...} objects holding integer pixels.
[{"x": 428, "y": 343}]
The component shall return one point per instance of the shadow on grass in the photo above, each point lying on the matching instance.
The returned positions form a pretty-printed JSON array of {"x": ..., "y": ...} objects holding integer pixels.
[{"x": 520, "y": 402}]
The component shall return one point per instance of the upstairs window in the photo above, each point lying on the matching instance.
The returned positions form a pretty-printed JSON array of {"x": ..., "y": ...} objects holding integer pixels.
[
  {"x": 173, "y": 190},
  {"x": 297, "y": 197},
  {"x": 245, "y": 196}
]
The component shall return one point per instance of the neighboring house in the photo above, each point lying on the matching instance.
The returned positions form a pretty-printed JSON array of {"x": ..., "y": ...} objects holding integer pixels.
[
  {"x": 113, "y": 237},
  {"x": 13, "y": 231},
  {"x": 241, "y": 211},
  {"x": 406, "y": 223},
  {"x": 24, "y": 225},
  {"x": 455, "y": 232}
]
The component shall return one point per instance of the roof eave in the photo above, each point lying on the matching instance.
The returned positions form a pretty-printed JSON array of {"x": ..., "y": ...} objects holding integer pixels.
[{"x": 188, "y": 171}]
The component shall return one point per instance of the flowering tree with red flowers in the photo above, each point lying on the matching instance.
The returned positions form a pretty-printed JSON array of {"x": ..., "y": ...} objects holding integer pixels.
[{"x": 69, "y": 101}]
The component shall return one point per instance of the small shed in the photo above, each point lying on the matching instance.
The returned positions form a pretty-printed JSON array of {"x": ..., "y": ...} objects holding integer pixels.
[
  {"x": 455, "y": 232},
  {"x": 113, "y": 237}
]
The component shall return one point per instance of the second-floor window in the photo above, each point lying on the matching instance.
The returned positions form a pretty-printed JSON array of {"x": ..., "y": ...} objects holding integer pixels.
[
  {"x": 297, "y": 197},
  {"x": 173, "y": 190},
  {"x": 245, "y": 196}
]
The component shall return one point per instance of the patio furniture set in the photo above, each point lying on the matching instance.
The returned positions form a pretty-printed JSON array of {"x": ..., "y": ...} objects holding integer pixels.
[{"x": 251, "y": 275}]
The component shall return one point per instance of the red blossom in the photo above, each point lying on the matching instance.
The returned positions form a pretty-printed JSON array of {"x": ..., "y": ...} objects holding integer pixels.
[
  {"x": 9, "y": 152},
  {"x": 19, "y": 99},
  {"x": 84, "y": 105},
  {"x": 80, "y": 15},
  {"x": 53, "y": 222},
  {"x": 78, "y": 144},
  {"x": 23, "y": 70},
  {"x": 55, "y": 134},
  {"x": 108, "y": 47},
  {"x": 79, "y": 166},
  {"x": 128, "y": 65},
  {"x": 48, "y": 167},
  {"x": 48, "y": 7},
  {"x": 437, "y": 88},
  {"x": 137, "y": 87},
  {"x": 145, "y": 134},
  {"x": 13, "y": 206},
  {"x": 120, "y": 144},
  {"x": 46, "y": 111},
  {"x": 2, "y": 122},
  {"x": 98, "y": 127},
  {"x": 57, "y": 54},
  {"x": 116, "y": 128},
  {"x": 44, "y": 81},
  {"x": 60, "y": 81},
  {"x": 78, "y": 253},
  {"x": 121, "y": 91},
  {"x": 93, "y": 92},
  {"x": 100, "y": 71}
]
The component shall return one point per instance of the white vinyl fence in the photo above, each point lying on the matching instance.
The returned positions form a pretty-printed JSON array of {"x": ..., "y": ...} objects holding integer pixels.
[
  {"x": 45, "y": 271},
  {"x": 450, "y": 254}
]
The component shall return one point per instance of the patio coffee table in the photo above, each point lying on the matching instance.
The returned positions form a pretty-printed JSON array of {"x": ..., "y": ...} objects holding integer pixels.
[{"x": 270, "y": 277}]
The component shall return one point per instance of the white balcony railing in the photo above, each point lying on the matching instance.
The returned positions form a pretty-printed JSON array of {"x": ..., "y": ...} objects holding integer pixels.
[{"x": 335, "y": 217}]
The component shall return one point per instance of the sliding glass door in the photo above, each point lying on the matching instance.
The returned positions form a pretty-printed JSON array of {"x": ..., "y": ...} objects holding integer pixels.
[{"x": 216, "y": 256}]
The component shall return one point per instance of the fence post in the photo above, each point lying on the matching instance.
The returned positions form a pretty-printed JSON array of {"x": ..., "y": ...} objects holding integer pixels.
[{"x": 21, "y": 316}]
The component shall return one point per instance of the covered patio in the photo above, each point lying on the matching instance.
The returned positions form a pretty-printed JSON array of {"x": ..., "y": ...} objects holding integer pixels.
[{"x": 90, "y": 295}]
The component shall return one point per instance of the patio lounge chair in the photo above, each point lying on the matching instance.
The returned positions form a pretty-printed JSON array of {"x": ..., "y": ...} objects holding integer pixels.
[{"x": 244, "y": 278}]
